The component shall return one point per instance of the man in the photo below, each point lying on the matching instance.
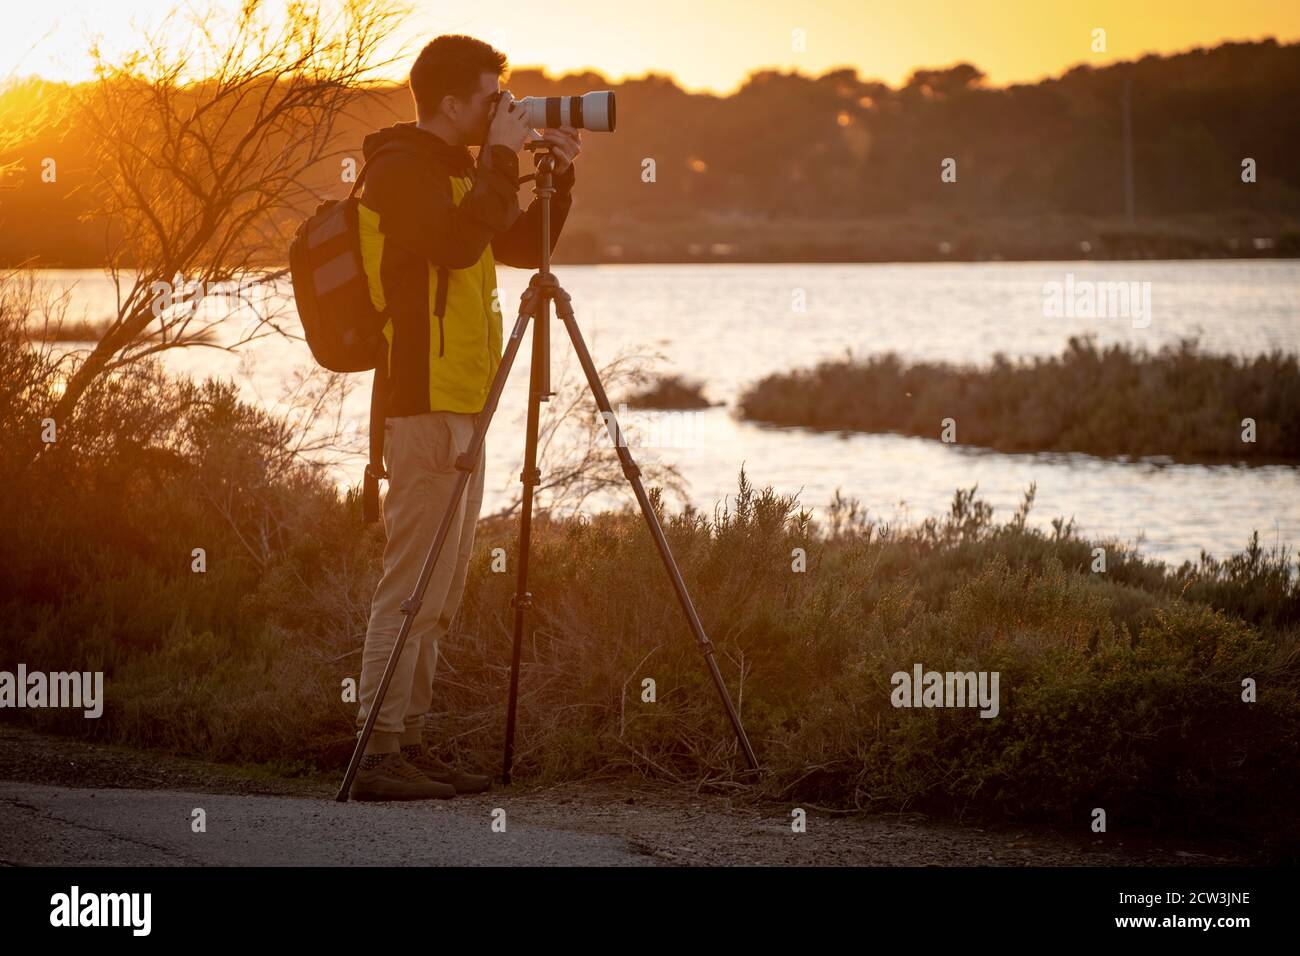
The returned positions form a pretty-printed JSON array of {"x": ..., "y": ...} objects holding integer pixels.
[{"x": 434, "y": 221}]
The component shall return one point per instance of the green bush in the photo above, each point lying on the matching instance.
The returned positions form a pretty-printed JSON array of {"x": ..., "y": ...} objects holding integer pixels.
[{"x": 1179, "y": 402}]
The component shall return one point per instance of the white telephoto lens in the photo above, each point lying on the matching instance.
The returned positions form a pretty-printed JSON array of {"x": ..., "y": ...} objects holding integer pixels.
[{"x": 591, "y": 111}]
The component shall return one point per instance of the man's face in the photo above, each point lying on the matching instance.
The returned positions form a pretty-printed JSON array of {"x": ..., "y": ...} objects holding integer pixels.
[{"x": 476, "y": 112}]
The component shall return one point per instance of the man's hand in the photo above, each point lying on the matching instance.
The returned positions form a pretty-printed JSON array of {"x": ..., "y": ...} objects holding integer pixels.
[
  {"x": 566, "y": 143},
  {"x": 508, "y": 128}
]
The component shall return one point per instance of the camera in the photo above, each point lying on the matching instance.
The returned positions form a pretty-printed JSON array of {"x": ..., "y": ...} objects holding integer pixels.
[{"x": 590, "y": 111}]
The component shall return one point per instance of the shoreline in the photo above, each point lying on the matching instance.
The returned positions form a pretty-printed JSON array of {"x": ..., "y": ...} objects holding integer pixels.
[{"x": 560, "y": 259}]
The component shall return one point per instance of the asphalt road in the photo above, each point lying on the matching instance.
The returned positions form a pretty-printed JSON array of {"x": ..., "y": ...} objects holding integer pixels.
[
  {"x": 72, "y": 802},
  {"x": 61, "y": 825}
]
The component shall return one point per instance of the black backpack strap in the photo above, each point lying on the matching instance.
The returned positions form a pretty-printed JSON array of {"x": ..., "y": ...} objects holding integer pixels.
[
  {"x": 378, "y": 415},
  {"x": 378, "y": 394},
  {"x": 378, "y": 398},
  {"x": 386, "y": 148}
]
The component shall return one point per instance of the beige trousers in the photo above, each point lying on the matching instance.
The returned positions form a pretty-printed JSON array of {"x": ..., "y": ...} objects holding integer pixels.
[{"x": 420, "y": 455}]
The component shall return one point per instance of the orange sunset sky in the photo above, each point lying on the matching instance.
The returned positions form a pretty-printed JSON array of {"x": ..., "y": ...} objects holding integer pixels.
[{"x": 713, "y": 44}]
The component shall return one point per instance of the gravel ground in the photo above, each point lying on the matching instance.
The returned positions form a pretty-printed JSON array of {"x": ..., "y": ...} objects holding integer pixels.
[{"x": 65, "y": 801}]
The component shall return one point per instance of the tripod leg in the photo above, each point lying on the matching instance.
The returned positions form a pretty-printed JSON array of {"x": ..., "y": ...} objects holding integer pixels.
[
  {"x": 411, "y": 606},
  {"x": 565, "y": 311},
  {"x": 530, "y": 477}
]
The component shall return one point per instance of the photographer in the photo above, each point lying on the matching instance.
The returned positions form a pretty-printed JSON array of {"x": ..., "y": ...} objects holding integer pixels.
[{"x": 433, "y": 222}]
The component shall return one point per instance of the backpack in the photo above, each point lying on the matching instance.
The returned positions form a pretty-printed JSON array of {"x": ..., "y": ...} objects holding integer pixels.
[{"x": 344, "y": 330}]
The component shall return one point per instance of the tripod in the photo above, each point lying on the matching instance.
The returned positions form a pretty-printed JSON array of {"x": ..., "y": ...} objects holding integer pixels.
[{"x": 543, "y": 291}]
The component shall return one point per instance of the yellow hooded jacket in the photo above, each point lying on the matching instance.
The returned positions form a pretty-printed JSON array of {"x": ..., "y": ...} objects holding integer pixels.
[{"x": 434, "y": 222}]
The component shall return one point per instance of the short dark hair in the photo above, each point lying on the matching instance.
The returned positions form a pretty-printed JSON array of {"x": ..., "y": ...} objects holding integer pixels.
[{"x": 451, "y": 65}]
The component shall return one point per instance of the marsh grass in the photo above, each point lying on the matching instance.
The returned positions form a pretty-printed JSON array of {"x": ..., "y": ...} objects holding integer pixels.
[{"x": 1115, "y": 401}]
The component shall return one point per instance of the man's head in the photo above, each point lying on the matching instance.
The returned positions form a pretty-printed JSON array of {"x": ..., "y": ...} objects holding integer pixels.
[{"x": 454, "y": 81}]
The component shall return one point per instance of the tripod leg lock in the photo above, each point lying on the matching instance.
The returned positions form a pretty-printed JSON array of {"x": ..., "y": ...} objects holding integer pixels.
[
  {"x": 410, "y": 607},
  {"x": 522, "y": 601},
  {"x": 563, "y": 304},
  {"x": 531, "y": 476},
  {"x": 631, "y": 470}
]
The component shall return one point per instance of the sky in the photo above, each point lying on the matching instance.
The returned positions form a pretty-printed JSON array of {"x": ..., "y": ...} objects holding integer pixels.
[{"x": 713, "y": 44}]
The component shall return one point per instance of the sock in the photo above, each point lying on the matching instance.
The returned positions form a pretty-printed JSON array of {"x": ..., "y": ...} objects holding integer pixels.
[
  {"x": 412, "y": 751},
  {"x": 371, "y": 761}
]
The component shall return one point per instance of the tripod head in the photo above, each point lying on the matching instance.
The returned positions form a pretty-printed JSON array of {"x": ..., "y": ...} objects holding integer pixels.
[{"x": 543, "y": 160}]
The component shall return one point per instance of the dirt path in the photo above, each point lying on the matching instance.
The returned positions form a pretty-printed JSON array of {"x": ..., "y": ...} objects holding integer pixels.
[{"x": 69, "y": 802}]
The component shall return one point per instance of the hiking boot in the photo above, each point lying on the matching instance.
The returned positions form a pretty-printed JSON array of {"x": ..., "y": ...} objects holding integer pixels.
[
  {"x": 439, "y": 772},
  {"x": 393, "y": 778}
]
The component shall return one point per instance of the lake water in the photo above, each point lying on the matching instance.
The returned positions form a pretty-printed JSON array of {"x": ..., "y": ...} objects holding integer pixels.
[{"x": 728, "y": 325}]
